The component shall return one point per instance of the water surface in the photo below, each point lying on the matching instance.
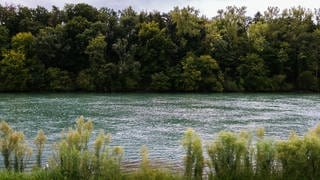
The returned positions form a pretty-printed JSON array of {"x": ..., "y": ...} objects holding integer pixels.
[{"x": 159, "y": 120}]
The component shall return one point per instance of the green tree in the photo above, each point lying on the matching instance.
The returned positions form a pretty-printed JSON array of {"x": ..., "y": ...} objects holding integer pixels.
[
  {"x": 229, "y": 39},
  {"x": 51, "y": 48},
  {"x": 155, "y": 50},
  {"x": 82, "y": 10},
  {"x": 58, "y": 80},
  {"x": 23, "y": 42},
  {"x": 4, "y": 37},
  {"x": 122, "y": 49},
  {"x": 272, "y": 51},
  {"x": 201, "y": 74},
  {"x": 129, "y": 75},
  {"x": 187, "y": 21},
  {"x": 253, "y": 73},
  {"x": 160, "y": 82},
  {"x": 105, "y": 77},
  {"x": 14, "y": 74},
  {"x": 307, "y": 81},
  {"x": 85, "y": 80},
  {"x": 96, "y": 51},
  {"x": 256, "y": 34},
  {"x": 75, "y": 58}
]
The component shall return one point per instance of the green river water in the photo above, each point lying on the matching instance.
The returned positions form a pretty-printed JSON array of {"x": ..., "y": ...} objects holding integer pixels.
[{"x": 159, "y": 120}]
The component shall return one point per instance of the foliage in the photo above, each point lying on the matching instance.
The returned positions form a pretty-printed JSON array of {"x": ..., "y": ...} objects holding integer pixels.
[
  {"x": 201, "y": 74},
  {"x": 253, "y": 73},
  {"x": 187, "y": 21},
  {"x": 23, "y": 42},
  {"x": 160, "y": 82},
  {"x": 229, "y": 156},
  {"x": 39, "y": 141},
  {"x": 307, "y": 81},
  {"x": 104, "y": 50},
  {"x": 194, "y": 160},
  {"x": 14, "y": 74},
  {"x": 96, "y": 50},
  {"x": 58, "y": 80},
  {"x": 13, "y": 144},
  {"x": 74, "y": 159}
]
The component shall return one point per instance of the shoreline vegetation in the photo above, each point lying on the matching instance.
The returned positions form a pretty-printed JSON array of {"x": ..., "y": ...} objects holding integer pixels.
[
  {"x": 243, "y": 155},
  {"x": 86, "y": 49}
]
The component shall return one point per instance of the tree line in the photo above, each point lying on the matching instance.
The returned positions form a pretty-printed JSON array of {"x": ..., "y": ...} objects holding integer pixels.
[{"x": 82, "y": 48}]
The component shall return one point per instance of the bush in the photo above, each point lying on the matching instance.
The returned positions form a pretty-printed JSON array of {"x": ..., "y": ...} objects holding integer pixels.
[
  {"x": 13, "y": 144},
  {"x": 74, "y": 159},
  {"x": 230, "y": 156},
  {"x": 265, "y": 156},
  {"x": 194, "y": 161}
]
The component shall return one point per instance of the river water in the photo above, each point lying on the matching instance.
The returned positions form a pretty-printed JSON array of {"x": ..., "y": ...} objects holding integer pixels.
[{"x": 159, "y": 120}]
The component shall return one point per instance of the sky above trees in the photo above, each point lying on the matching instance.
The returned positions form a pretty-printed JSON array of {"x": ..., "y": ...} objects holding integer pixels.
[{"x": 207, "y": 7}]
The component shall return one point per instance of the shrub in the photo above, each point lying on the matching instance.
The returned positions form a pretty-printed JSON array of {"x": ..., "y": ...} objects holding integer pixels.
[
  {"x": 265, "y": 156},
  {"x": 194, "y": 161},
  {"x": 39, "y": 141},
  {"x": 74, "y": 159},
  {"x": 230, "y": 156},
  {"x": 13, "y": 143}
]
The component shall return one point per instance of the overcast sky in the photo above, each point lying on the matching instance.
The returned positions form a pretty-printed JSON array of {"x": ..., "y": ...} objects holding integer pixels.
[{"x": 206, "y": 7}]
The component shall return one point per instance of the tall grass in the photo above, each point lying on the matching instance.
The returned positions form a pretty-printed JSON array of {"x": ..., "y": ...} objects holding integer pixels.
[
  {"x": 39, "y": 141},
  {"x": 75, "y": 160},
  {"x": 230, "y": 156},
  {"x": 194, "y": 161},
  {"x": 244, "y": 155},
  {"x": 265, "y": 156},
  {"x": 13, "y": 148}
]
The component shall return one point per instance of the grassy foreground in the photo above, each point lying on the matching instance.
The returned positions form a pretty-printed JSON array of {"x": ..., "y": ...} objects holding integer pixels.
[{"x": 229, "y": 156}]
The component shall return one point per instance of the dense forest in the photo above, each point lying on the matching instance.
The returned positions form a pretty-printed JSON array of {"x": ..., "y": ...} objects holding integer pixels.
[{"x": 82, "y": 48}]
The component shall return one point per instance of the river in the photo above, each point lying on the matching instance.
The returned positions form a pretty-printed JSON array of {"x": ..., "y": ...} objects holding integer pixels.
[{"x": 159, "y": 120}]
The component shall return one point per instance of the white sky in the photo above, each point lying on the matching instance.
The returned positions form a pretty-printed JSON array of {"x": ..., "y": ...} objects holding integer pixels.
[{"x": 206, "y": 7}]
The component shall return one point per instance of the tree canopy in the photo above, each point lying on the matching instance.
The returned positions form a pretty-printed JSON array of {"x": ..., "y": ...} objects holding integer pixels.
[{"x": 83, "y": 48}]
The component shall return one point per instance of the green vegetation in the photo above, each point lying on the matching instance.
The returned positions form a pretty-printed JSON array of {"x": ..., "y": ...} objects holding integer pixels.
[
  {"x": 82, "y": 48},
  {"x": 229, "y": 156},
  {"x": 194, "y": 161}
]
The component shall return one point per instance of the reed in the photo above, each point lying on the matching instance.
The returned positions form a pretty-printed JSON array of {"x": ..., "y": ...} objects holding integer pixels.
[
  {"x": 75, "y": 160},
  {"x": 265, "y": 156},
  {"x": 13, "y": 145},
  {"x": 194, "y": 161},
  {"x": 40, "y": 141},
  {"x": 229, "y": 156}
]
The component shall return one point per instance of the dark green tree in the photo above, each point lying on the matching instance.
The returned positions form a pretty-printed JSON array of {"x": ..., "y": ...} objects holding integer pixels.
[
  {"x": 253, "y": 73},
  {"x": 14, "y": 73},
  {"x": 201, "y": 74}
]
